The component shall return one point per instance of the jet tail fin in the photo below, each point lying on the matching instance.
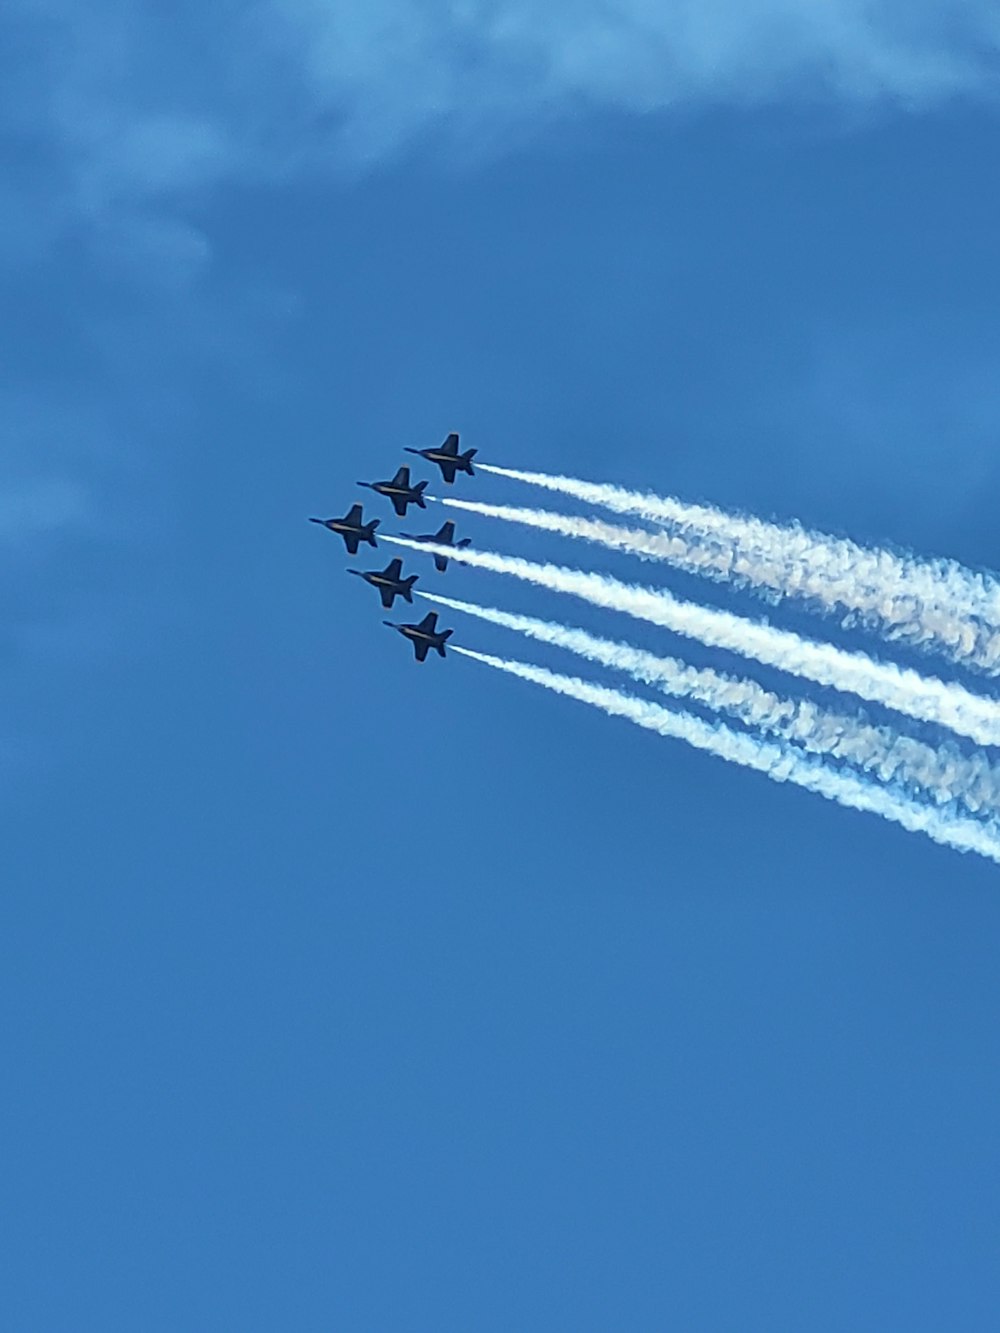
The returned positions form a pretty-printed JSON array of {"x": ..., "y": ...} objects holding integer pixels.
[
  {"x": 370, "y": 531},
  {"x": 445, "y": 636},
  {"x": 408, "y": 587},
  {"x": 466, "y": 541}
]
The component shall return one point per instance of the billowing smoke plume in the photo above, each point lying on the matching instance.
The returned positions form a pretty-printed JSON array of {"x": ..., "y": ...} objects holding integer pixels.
[
  {"x": 924, "y": 698},
  {"x": 934, "y": 605},
  {"x": 782, "y": 763},
  {"x": 944, "y": 774}
]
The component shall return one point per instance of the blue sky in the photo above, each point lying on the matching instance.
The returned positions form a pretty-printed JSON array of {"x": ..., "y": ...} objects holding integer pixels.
[{"x": 344, "y": 994}]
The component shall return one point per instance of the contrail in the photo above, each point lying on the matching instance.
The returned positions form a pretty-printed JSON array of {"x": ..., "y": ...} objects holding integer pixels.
[
  {"x": 931, "y": 604},
  {"x": 683, "y": 554},
  {"x": 945, "y": 775},
  {"x": 925, "y": 698},
  {"x": 779, "y": 762}
]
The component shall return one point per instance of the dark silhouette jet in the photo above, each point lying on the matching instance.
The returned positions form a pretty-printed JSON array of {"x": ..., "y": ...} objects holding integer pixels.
[
  {"x": 445, "y": 536},
  {"x": 448, "y": 459},
  {"x": 389, "y": 582},
  {"x": 352, "y": 528},
  {"x": 399, "y": 491},
  {"x": 424, "y": 636}
]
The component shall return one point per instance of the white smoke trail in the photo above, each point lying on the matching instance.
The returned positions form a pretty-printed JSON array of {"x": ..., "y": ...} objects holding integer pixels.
[
  {"x": 935, "y": 605},
  {"x": 922, "y": 697},
  {"x": 683, "y": 554},
  {"x": 945, "y": 774},
  {"x": 779, "y": 762}
]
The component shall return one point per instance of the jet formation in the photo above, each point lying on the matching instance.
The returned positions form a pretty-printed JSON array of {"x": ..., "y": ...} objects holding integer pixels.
[{"x": 390, "y": 582}]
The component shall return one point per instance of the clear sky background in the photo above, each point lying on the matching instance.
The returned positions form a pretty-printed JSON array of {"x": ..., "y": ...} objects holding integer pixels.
[{"x": 344, "y": 994}]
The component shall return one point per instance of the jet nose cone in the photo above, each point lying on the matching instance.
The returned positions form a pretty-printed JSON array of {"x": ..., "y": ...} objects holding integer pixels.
[{"x": 320, "y": 521}]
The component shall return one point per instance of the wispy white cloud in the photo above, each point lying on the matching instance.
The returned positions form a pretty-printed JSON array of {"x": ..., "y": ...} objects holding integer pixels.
[
  {"x": 40, "y": 505},
  {"x": 49, "y": 451},
  {"x": 148, "y": 109},
  {"x": 393, "y": 69},
  {"x": 45, "y": 501}
]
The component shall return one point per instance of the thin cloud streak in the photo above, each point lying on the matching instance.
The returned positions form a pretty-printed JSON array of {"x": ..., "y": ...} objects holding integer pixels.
[
  {"x": 924, "y": 698},
  {"x": 781, "y": 763}
]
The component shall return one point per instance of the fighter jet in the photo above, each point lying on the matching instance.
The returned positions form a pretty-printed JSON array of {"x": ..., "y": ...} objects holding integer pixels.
[
  {"x": 399, "y": 491},
  {"x": 445, "y": 536},
  {"x": 448, "y": 459},
  {"x": 352, "y": 528},
  {"x": 389, "y": 582},
  {"x": 424, "y": 636}
]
